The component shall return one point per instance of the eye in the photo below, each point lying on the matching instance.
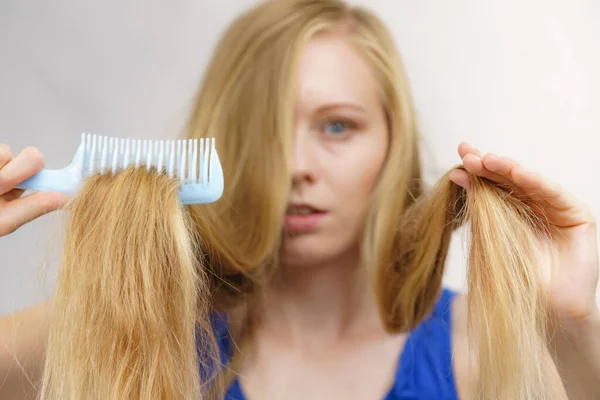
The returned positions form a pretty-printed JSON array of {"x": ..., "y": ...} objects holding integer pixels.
[{"x": 337, "y": 127}]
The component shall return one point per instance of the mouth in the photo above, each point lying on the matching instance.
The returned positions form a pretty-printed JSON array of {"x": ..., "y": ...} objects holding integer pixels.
[
  {"x": 303, "y": 218},
  {"x": 302, "y": 209}
]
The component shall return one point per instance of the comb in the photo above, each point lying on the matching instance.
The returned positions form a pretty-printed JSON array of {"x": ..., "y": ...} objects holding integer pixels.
[{"x": 194, "y": 162}]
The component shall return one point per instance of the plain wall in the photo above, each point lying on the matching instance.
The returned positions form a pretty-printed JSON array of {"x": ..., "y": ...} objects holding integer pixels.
[{"x": 518, "y": 78}]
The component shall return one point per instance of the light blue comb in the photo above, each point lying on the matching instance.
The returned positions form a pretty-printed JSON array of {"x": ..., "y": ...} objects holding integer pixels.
[{"x": 194, "y": 162}]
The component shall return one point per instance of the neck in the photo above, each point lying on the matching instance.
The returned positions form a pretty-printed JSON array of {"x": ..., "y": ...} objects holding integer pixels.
[{"x": 321, "y": 303}]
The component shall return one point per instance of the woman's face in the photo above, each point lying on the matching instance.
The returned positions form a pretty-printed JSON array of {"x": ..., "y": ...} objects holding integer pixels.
[{"x": 340, "y": 144}]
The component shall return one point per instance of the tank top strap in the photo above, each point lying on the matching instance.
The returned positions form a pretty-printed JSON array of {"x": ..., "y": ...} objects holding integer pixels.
[
  {"x": 220, "y": 325},
  {"x": 222, "y": 334},
  {"x": 425, "y": 365}
]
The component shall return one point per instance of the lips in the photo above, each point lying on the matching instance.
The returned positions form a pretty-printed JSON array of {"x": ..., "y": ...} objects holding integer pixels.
[
  {"x": 302, "y": 209},
  {"x": 303, "y": 218}
]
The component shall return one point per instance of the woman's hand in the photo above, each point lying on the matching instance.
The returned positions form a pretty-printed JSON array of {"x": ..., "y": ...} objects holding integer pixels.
[
  {"x": 575, "y": 263},
  {"x": 15, "y": 210}
]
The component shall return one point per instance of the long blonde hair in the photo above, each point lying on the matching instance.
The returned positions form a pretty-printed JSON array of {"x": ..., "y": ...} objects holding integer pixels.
[
  {"x": 132, "y": 299},
  {"x": 246, "y": 101}
]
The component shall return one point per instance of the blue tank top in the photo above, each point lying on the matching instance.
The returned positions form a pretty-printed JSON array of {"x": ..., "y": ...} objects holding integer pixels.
[{"x": 424, "y": 368}]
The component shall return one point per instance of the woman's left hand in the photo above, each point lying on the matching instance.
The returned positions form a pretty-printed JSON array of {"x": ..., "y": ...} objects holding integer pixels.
[{"x": 575, "y": 264}]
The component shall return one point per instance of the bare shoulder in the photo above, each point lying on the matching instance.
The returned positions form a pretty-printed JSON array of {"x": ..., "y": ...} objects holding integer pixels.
[{"x": 464, "y": 359}]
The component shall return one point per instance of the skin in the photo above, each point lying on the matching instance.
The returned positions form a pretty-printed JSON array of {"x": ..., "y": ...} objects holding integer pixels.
[
  {"x": 573, "y": 266},
  {"x": 15, "y": 210},
  {"x": 319, "y": 320},
  {"x": 323, "y": 327},
  {"x": 320, "y": 336}
]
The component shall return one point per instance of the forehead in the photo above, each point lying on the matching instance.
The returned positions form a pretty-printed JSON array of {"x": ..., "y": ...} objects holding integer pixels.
[{"x": 332, "y": 70}]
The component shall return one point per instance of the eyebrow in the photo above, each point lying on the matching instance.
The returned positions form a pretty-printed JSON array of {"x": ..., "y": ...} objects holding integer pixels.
[{"x": 333, "y": 106}]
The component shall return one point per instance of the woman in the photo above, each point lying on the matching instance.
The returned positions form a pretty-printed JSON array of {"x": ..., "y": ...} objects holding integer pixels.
[{"x": 331, "y": 75}]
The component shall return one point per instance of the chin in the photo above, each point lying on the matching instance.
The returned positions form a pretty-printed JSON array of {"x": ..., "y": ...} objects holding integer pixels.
[{"x": 311, "y": 249}]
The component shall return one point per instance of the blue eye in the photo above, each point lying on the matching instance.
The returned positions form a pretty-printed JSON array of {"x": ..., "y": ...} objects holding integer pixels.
[{"x": 337, "y": 127}]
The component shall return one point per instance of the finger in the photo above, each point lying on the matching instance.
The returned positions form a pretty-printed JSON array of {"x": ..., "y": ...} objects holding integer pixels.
[
  {"x": 499, "y": 165},
  {"x": 530, "y": 182},
  {"x": 19, "y": 212},
  {"x": 26, "y": 164},
  {"x": 460, "y": 177},
  {"x": 474, "y": 165},
  {"x": 568, "y": 210},
  {"x": 540, "y": 188},
  {"x": 11, "y": 195},
  {"x": 465, "y": 148},
  {"x": 5, "y": 155}
]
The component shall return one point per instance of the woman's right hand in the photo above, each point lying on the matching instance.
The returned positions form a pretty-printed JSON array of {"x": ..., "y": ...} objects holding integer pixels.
[{"x": 15, "y": 211}]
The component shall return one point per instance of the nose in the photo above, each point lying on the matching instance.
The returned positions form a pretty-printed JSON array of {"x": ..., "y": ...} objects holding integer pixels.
[{"x": 303, "y": 160}]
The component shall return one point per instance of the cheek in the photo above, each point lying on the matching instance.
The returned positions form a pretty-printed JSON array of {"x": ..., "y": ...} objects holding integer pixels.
[
  {"x": 359, "y": 172},
  {"x": 367, "y": 177},
  {"x": 350, "y": 178},
  {"x": 355, "y": 177}
]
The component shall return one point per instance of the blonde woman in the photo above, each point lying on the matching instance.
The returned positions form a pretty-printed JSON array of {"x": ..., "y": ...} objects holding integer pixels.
[{"x": 309, "y": 101}]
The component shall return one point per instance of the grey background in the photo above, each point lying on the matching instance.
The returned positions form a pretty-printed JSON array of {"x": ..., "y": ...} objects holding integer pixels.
[{"x": 515, "y": 77}]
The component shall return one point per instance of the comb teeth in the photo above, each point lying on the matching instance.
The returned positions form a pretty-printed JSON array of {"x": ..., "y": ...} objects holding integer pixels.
[{"x": 187, "y": 160}]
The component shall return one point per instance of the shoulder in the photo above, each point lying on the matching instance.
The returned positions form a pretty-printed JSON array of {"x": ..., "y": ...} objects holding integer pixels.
[{"x": 464, "y": 359}]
